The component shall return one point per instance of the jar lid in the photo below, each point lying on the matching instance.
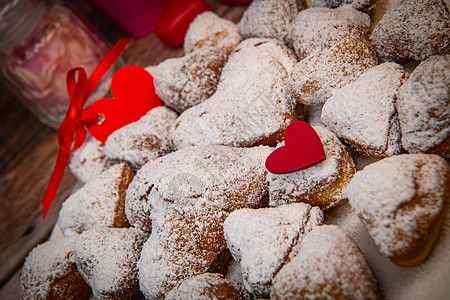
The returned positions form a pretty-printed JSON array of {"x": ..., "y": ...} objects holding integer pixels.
[{"x": 18, "y": 18}]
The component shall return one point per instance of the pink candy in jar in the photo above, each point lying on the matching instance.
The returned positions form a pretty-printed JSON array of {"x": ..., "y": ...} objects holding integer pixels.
[{"x": 40, "y": 42}]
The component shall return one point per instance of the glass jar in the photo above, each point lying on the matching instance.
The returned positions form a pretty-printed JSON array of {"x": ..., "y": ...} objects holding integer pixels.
[{"x": 39, "y": 42}]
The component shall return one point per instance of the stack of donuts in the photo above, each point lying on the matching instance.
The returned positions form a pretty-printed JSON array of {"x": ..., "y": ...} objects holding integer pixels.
[{"x": 180, "y": 204}]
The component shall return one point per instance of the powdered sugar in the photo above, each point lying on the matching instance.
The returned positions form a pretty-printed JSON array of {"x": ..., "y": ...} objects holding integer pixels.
[
  {"x": 100, "y": 202},
  {"x": 185, "y": 196},
  {"x": 186, "y": 81},
  {"x": 424, "y": 107},
  {"x": 328, "y": 266},
  {"x": 323, "y": 184},
  {"x": 261, "y": 239},
  {"x": 46, "y": 268},
  {"x": 395, "y": 195},
  {"x": 346, "y": 56},
  {"x": 213, "y": 173},
  {"x": 313, "y": 27},
  {"x": 363, "y": 112},
  {"x": 89, "y": 160},
  {"x": 209, "y": 30},
  {"x": 268, "y": 19},
  {"x": 249, "y": 106},
  {"x": 413, "y": 30},
  {"x": 107, "y": 258},
  {"x": 429, "y": 280},
  {"x": 141, "y": 141},
  {"x": 203, "y": 287},
  {"x": 186, "y": 240}
]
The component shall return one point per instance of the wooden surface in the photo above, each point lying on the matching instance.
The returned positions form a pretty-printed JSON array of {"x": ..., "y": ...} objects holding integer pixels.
[{"x": 28, "y": 152}]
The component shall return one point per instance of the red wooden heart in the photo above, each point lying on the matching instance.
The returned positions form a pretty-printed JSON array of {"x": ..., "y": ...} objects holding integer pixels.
[
  {"x": 175, "y": 18},
  {"x": 302, "y": 149},
  {"x": 134, "y": 95}
]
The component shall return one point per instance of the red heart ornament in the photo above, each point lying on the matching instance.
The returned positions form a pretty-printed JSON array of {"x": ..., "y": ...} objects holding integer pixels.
[
  {"x": 175, "y": 18},
  {"x": 302, "y": 149},
  {"x": 134, "y": 95}
]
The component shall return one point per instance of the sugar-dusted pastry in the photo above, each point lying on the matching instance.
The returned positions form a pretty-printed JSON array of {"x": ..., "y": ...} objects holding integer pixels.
[
  {"x": 363, "y": 5},
  {"x": 50, "y": 272},
  {"x": 100, "y": 202},
  {"x": 424, "y": 108},
  {"x": 312, "y": 28},
  {"x": 89, "y": 160},
  {"x": 249, "y": 107},
  {"x": 329, "y": 265},
  {"x": 206, "y": 286},
  {"x": 413, "y": 30},
  {"x": 143, "y": 140},
  {"x": 363, "y": 113},
  {"x": 186, "y": 81},
  {"x": 261, "y": 240},
  {"x": 269, "y": 19},
  {"x": 185, "y": 197},
  {"x": 107, "y": 259},
  {"x": 323, "y": 185},
  {"x": 210, "y": 30},
  {"x": 402, "y": 200},
  {"x": 346, "y": 55}
]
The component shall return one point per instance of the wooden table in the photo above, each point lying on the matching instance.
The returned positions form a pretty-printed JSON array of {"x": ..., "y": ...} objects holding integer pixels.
[{"x": 28, "y": 151}]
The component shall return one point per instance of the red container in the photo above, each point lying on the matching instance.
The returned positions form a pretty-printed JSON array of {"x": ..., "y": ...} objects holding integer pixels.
[
  {"x": 175, "y": 18},
  {"x": 136, "y": 17}
]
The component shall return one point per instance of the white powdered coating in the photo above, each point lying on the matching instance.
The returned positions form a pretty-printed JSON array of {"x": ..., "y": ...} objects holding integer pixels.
[
  {"x": 213, "y": 173},
  {"x": 249, "y": 105},
  {"x": 210, "y": 30},
  {"x": 424, "y": 106},
  {"x": 261, "y": 239},
  {"x": 89, "y": 160},
  {"x": 186, "y": 240},
  {"x": 413, "y": 30},
  {"x": 429, "y": 280},
  {"x": 100, "y": 202},
  {"x": 324, "y": 184},
  {"x": 328, "y": 266},
  {"x": 143, "y": 140},
  {"x": 185, "y": 196},
  {"x": 268, "y": 19},
  {"x": 205, "y": 286},
  {"x": 400, "y": 198},
  {"x": 363, "y": 112},
  {"x": 347, "y": 55},
  {"x": 186, "y": 81},
  {"x": 363, "y": 5},
  {"x": 312, "y": 28},
  {"x": 49, "y": 272},
  {"x": 107, "y": 259}
]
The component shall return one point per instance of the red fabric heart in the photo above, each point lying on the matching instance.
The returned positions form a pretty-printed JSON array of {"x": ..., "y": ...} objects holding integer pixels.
[
  {"x": 175, "y": 18},
  {"x": 302, "y": 149},
  {"x": 134, "y": 95}
]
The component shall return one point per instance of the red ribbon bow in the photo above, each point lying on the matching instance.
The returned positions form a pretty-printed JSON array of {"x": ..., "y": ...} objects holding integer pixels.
[{"x": 72, "y": 133}]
